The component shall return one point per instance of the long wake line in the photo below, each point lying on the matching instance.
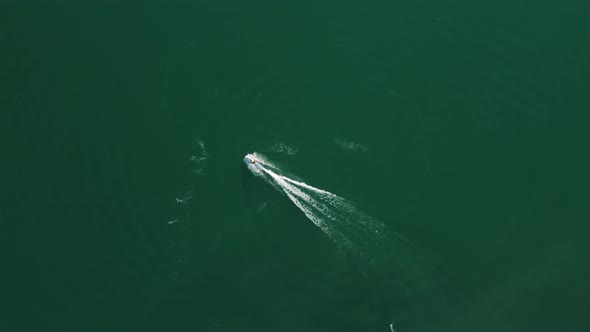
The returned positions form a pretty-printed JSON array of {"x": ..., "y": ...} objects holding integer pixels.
[
  {"x": 334, "y": 215},
  {"x": 403, "y": 266},
  {"x": 317, "y": 211}
]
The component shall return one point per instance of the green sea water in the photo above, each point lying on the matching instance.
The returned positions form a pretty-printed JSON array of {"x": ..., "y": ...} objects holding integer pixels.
[{"x": 457, "y": 130}]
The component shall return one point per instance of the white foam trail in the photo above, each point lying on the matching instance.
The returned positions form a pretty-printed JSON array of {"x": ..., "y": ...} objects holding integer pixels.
[
  {"x": 403, "y": 267},
  {"x": 334, "y": 215}
]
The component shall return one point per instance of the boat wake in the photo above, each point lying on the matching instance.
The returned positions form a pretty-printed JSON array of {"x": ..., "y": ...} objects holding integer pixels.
[{"x": 403, "y": 267}]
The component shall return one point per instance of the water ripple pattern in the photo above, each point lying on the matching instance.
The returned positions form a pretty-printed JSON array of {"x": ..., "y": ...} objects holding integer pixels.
[
  {"x": 350, "y": 146},
  {"x": 281, "y": 147},
  {"x": 198, "y": 159},
  {"x": 178, "y": 222}
]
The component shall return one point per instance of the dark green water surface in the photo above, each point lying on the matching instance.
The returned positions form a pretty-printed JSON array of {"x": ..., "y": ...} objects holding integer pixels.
[{"x": 125, "y": 204}]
